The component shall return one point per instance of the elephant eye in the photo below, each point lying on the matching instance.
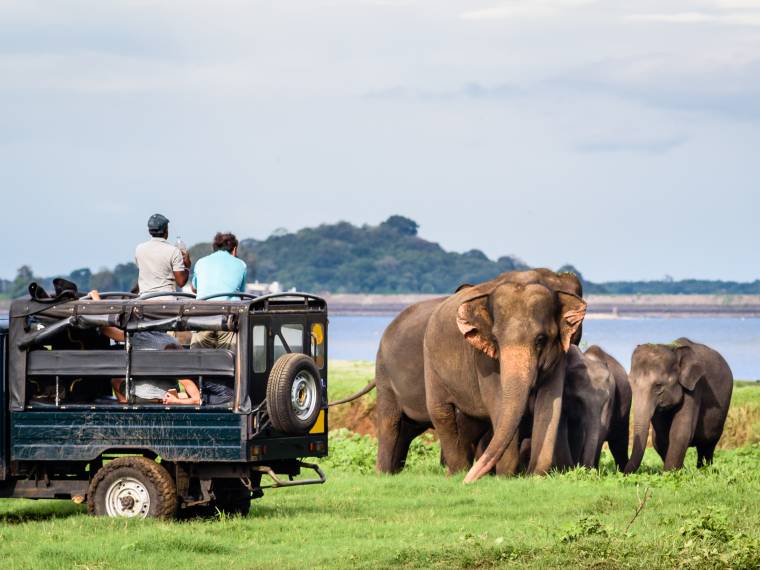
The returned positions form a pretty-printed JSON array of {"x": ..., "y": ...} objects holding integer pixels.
[{"x": 541, "y": 341}]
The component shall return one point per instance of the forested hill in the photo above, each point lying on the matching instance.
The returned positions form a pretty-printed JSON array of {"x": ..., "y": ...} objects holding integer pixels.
[
  {"x": 343, "y": 258},
  {"x": 387, "y": 258}
]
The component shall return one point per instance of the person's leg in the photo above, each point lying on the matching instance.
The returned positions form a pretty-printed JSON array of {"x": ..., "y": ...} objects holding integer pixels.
[
  {"x": 227, "y": 340},
  {"x": 116, "y": 384},
  {"x": 203, "y": 339}
]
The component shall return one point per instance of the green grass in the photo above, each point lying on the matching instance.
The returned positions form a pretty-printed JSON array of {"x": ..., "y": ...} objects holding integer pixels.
[
  {"x": 707, "y": 518},
  {"x": 349, "y": 376},
  {"x": 423, "y": 519},
  {"x": 746, "y": 394}
]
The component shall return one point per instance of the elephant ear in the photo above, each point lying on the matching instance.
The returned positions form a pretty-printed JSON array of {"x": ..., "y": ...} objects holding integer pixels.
[
  {"x": 572, "y": 312},
  {"x": 691, "y": 370},
  {"x": 476, "y": 324}
]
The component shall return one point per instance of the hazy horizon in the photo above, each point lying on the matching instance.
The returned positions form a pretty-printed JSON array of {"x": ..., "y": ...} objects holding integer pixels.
[{"x": 619, "y": 138}]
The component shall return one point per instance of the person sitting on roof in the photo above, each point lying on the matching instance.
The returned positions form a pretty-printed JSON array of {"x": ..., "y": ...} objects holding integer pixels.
[
  {"x": 162, "y": 267},
  {"x": 219, "y": 272}
]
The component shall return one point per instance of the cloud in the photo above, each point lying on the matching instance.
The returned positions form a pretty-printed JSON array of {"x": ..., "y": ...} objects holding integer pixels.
[
  {"x": 532, "y": 9},
  {"x": 470, "y": 90},
  {"x": 633, "y": 145},
  {"x": 732, "y": 19}
]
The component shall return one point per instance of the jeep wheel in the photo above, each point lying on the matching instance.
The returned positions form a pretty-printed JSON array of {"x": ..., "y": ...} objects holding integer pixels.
[
  {"x": 294, "y": 394},
  {"x": 132, "y": 487}
]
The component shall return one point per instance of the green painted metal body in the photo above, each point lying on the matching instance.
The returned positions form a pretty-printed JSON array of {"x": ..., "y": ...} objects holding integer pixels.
[
  {"x": 63, "y": 439},
  {"x": 174, "y": 435}
]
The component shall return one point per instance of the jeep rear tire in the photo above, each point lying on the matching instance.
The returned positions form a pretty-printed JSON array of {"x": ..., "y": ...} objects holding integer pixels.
[
  {"x": 132, "y": 487},
  {"x": 294, "y": 394}
]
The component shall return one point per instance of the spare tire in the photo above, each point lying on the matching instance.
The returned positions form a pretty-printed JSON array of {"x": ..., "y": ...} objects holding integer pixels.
[{"x": 294, "y": 394}]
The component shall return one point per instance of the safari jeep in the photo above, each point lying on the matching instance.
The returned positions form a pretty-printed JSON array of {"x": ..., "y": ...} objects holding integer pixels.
[{"x": 64, "y": 435}]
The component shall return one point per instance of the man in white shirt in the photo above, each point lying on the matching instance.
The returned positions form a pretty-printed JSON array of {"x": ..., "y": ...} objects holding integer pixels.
[{"x": 162, "y": 266}]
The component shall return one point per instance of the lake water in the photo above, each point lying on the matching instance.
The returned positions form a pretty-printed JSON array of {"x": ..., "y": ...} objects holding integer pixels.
[{"x": 357, "y": 338}]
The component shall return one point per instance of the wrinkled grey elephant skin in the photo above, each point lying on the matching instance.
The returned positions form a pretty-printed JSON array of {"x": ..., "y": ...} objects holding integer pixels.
[
  {"x": 401, "y": 411},
  {"x": 596, "y": 408},
  {"x": 683, "y": 390},
  {"x": 487, "y": 350}
]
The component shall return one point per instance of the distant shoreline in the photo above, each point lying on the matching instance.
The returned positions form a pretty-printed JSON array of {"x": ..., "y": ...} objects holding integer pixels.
[{"x": 600, "y": 306}]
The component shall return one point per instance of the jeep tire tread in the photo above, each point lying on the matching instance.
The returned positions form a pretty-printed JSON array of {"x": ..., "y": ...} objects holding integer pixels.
[
  {"x": 152, "y": 476},
  {"x": 279, "y": 405}
]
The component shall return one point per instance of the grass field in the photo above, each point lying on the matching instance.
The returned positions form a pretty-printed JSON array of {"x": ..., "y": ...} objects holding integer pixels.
[{"x": 422, "y": 519}]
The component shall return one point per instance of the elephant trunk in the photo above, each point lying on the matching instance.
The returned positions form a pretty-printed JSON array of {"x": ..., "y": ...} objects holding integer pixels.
[
  {"x": 591, "y": 443},
  {"x": 517, "y": 376},
  {"x": 643, "y": 410}
]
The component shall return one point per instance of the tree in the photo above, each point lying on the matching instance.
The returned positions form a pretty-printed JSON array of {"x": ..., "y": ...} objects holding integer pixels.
[
  {"x": 20, "y": 284},
  {"x": 402, "y": 225},
  {"x": 125, "y": 276},
  {"x": 82, "y": 278}
]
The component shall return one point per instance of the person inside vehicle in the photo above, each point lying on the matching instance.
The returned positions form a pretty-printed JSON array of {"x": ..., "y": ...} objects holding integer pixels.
[
  {"x": 144, "y": 340},
  {"x": 219, "y": 272},
  {"x": 160, "y": 391},
  {"x": 162, "y": 267}
]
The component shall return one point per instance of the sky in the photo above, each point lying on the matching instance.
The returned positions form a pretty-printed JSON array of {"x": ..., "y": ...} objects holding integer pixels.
[{"x": 621, "y": 137}]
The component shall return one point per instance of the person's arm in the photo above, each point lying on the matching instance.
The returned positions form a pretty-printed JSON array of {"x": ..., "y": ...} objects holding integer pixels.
[
  {"x": 181, "y": 266},
  {"x": 194, "y": 282},
  {"x": 193, "y": 394},
  {"x": 114, "y": 333}
]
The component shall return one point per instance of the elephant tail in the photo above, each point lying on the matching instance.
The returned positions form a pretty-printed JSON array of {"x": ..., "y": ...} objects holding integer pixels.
[{"x": 368, "y": 388}]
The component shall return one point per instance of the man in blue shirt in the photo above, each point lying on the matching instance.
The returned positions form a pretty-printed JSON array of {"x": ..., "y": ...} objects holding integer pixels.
[{"x": 220, "y": 272}]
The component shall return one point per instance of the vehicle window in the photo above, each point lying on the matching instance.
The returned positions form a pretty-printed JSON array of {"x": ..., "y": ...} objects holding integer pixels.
[
  {"x": 318, "y": 344},
  {"x": 259, "y": 348},
  {"x": 293, "y": 335}
]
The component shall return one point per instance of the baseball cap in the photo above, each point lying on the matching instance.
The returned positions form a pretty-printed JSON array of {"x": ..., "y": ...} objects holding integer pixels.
[{"x": 157, "y": 223}]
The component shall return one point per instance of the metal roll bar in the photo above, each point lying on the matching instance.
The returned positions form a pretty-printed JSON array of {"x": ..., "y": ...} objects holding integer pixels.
[
  {"x": 112, "y": 294},
  {"x": 166, "y": 294},
  {"x": 290, "y": 294}
]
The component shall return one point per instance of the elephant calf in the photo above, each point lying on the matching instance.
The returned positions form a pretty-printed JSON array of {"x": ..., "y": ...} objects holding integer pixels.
[
  {"x": 596, "y": 407},
  {"x": 683, "y": 390}
]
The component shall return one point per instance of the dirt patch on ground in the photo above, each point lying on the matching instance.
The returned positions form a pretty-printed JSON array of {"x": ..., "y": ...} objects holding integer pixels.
[{"x": 358, "y": 416}]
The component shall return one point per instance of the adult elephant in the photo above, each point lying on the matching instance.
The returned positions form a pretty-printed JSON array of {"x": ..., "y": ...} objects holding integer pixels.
[
  {"x": 683, "y": 390},
  {"x": 596, "y": 407},
  {"x": 486, "y": 350},
  {"x": 401, "y": 411}
]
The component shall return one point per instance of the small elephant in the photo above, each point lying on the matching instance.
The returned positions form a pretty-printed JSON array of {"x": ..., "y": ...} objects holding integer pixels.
[
  {"x": 596, "y": 407},
  {"x": 683, "y": 390}
]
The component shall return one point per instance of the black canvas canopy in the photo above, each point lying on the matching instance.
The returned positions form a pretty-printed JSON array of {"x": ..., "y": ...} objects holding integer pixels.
[{"x": 70, "y": 328}]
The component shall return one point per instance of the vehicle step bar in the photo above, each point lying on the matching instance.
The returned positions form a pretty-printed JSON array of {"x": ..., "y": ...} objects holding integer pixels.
[{"x": 278, "y": 482}]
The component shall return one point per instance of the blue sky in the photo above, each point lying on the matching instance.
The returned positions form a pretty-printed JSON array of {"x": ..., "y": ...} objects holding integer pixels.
[{"x": 621, "y": 137}]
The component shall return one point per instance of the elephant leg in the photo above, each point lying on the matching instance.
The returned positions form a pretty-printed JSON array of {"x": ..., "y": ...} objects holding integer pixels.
[
  {"x": 618, "y": 442},
  {"x": 391, "y": 448},
  {"x": 660, "y": 435},
  {"x": 471, "y": 433},
  {"x": 444, "y": 420},
  {"x": 680, "y": 435},
  {"x": 546, "y": 417},
  {"x": 705, "y": 453},
  {"x": 524, "y": 454}
]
